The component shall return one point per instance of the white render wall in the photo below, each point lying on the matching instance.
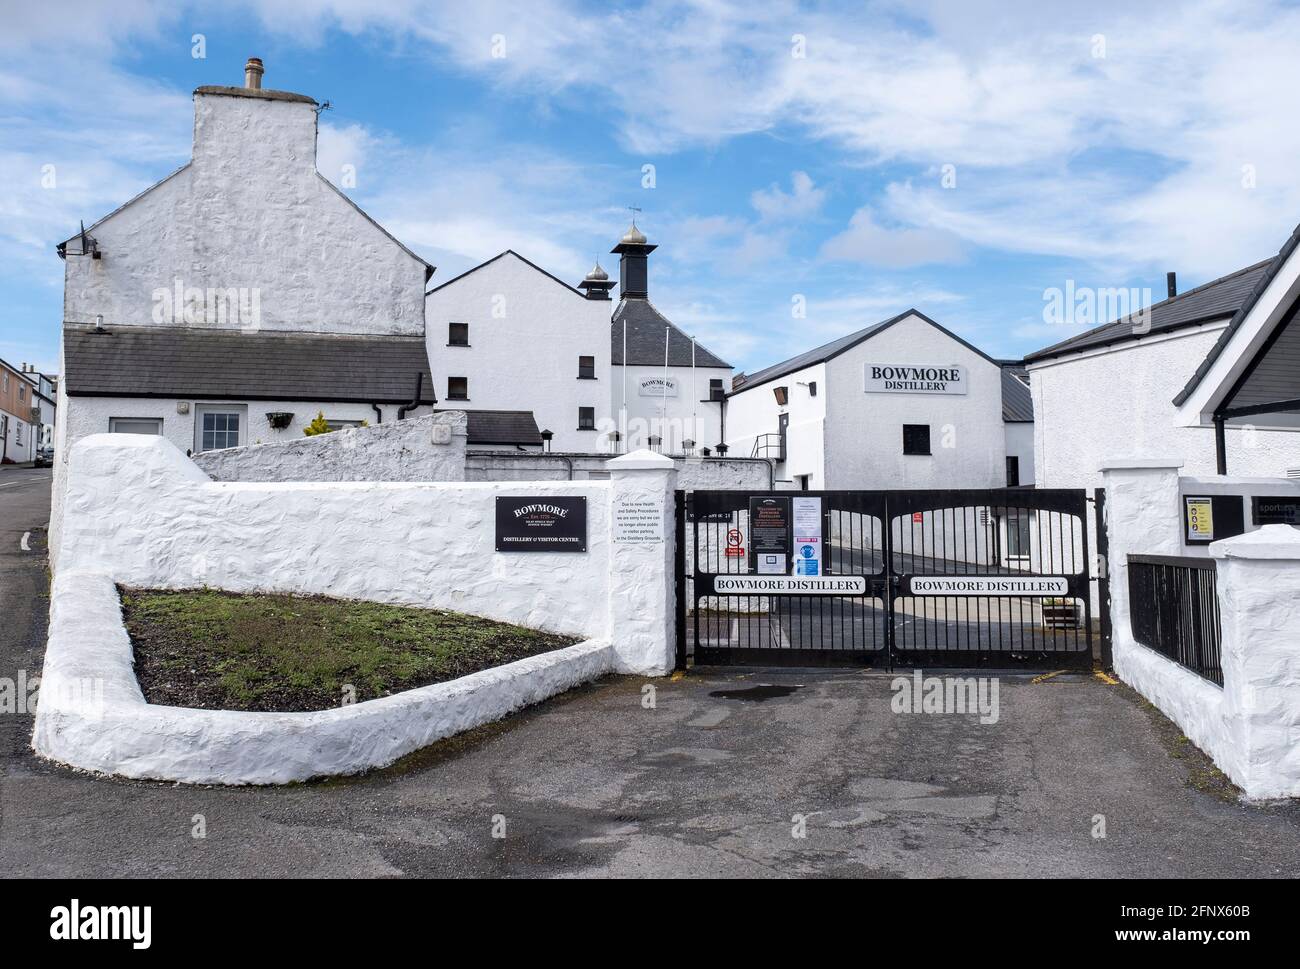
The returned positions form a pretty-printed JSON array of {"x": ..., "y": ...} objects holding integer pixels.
[
  {"x": 1020, "y": 443},
  {"x": 1249, "y": 726},
  {"x": 686, "y": 417},
  {"x": 138, "y": 510},
  {"x": 526, "y": 333},
  {"x": 753, "y": 413},
  {"x": 250, "y": 211},
  {"x": 1091, "y": 407},
  {"x": 80, "y": 417},
  {"x": 29, "y": 431}
]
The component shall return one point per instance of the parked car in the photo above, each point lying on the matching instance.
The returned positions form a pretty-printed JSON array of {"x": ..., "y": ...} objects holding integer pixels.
[{"x": 44, "y": 458}]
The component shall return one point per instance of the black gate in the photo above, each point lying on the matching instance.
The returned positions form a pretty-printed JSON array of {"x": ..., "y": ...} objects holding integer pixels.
[{"x": 961, "y": 578}]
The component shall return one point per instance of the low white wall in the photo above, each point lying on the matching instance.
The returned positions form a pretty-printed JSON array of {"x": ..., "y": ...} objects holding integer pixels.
[
  {"x": 1250, "y": 726},
  {"x": 92, "y": 714},
  {"x": 692, "y": 472},
  {"x": 414, "y": 449}
]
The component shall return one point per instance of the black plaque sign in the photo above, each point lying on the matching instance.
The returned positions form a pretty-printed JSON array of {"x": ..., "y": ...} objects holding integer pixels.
[
  {"x": 1275, "y": 511},
  {"x": 769, "y": 530},
  {"x": 546, "y": 524}
]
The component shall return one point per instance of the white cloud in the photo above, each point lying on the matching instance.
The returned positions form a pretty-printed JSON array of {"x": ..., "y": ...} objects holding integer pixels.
[
  {"x": 866, "y": 241},
  {"x": 803, "y": 200}
]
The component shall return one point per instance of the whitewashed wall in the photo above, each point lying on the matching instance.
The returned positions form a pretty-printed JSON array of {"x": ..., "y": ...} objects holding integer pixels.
[
  {"x": 1091, "y": 407},
  {"x": 1248, "y": 725},
  {"x": 692, "y": 473},
  {"x": 1020, "y": 443},
  {"x": 755, "y": 412},
  {"x": 864, "y": 432},
  {"x": 429, "y": 448},
  {"x": 687, "y": 416},
  {"x": 250, "y": 211},
  {"x": 526, "y": 333}
]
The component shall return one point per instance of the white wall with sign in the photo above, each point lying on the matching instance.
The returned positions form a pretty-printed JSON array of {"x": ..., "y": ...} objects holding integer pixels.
[{"x": 913, "y": 378}]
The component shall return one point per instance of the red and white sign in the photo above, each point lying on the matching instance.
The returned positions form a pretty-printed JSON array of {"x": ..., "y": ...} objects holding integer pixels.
[{"x": 735, "y": 544}]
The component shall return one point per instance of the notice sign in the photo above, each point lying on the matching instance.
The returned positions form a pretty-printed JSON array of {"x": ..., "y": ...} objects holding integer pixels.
[
  {"x": 789, "y": 585},
  {"x": 658, "y": 387},
  {"x": 735, "y": 544},
  {"x": 769, "y": 533},
  {"x": 547, "y": 524},
  {"x": 638, "y": 520},
  {"x": 907, "y": 378},
  {"x": 1275, "y": 511},
  {"x": 1200, "y": 519},
  {"x": 806, "y": 513},
  {"x": 989, "y": 585}
]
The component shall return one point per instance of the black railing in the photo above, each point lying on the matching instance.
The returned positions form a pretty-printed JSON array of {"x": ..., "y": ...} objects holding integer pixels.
[{"x": 1174, "y": 609}]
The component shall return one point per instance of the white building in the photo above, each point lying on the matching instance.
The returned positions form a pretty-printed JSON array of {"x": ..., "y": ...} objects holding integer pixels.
[
  {"x": 509, "y": 336},
  {"x": 668, "y": 389},
  {"x": 531, "y": 358},
  {"x": 240, "y": 296},
  {"x": 1118, "y": 390},
  {"x": 901, "y": 404}
]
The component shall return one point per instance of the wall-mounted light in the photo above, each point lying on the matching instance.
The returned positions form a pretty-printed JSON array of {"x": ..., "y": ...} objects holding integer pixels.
[
  {"x": 279, "y": 419},
  {"x": 546, "y": 440}
]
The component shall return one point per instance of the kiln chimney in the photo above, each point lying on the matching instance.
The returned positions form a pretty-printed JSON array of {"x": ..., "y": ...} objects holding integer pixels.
[{"x": 253, "y": 74}]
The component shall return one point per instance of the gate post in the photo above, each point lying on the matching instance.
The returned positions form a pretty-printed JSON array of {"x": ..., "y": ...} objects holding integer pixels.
[{"x": 642, "y": 537}]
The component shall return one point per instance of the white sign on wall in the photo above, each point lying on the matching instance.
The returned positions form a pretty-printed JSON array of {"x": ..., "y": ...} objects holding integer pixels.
[
  {"x": 914, "y": 378},
  {"x": 638, "y": 520},
  {"x": 658, "y": 387}
]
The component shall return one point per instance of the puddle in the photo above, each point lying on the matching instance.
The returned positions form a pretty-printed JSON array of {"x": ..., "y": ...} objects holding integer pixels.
[{"x": 756, "y": 694}]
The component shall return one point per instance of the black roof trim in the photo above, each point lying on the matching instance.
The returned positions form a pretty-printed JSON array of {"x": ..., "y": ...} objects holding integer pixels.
[
  {"x": 1239, "y": 317},
  {"x": 831, "y": 350},
  {"x": 508, "y": 252},
  {"x": 1089, "y": 339}
]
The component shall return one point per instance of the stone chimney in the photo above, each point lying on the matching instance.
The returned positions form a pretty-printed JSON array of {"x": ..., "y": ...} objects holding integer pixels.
[{"x": 253, "y": 74}]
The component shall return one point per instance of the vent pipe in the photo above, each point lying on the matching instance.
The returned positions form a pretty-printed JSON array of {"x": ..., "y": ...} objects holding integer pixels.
[
  {"x": 1171, "y": 280},
  {"x": 253, "y": 74}
]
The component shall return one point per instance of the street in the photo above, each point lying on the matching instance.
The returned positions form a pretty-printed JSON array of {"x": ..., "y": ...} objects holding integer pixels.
[{"x": 719, "y": 773}]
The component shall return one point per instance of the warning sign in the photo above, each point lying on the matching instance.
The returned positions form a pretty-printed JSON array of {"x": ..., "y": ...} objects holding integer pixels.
[
  {"x": 1200, "y": 519},
  {"x": 735, "y": 544}
]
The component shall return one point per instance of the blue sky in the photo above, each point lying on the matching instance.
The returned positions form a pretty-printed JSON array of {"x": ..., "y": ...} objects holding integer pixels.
[{"x": 799, "y": 150}]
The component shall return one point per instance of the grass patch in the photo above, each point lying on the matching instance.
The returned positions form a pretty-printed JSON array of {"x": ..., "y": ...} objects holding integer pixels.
[{"x": 224, "y": 651}]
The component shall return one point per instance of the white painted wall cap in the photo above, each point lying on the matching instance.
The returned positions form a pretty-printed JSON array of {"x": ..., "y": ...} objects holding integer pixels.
[
  {"x": 641, "y": 461},
  {"x": 1268, "y": 542},
  {"x": 1141, "y": 464}
]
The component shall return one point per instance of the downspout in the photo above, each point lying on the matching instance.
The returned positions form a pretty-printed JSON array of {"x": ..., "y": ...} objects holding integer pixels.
[
  {"x": 1220, "y": 446},
  {"x": 379, "y": 413},
  {"x": 415, "y": 401}
]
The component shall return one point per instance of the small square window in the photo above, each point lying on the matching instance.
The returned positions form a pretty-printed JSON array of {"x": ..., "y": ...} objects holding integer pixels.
[
  {"x": 715, "y": 388},
  {"x": 586, "y": 368},
  {"x": 458, "y": 388},
  {"x": 586, "y": 418},
  {"x": 916, "y": 438},
  {"x": 457, "y": 334}
]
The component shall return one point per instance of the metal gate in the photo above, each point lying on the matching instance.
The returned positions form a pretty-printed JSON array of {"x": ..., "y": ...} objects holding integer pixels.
[{"x": 957, "y": 578}]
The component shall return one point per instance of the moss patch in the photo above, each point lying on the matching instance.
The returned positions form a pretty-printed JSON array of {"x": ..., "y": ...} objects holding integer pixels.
[{"x": 224, "y": 651}]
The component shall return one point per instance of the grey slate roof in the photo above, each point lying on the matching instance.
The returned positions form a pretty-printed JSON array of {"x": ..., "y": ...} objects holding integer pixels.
[
  {"x": 1017, "y": 401},
  {"x": 1272, "y": 267},
  {"x": 1214, "y": 300},
  {"x": 524, "y": 259},
  {"x": 502, "y": 427},
  {"x": 833, "y": 349},
  {"x": 645, "y": 339},
  {"x": 148, "y": 361}
]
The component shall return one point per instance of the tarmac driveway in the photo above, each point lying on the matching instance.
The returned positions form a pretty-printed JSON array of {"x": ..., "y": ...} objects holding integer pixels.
[{"x": 713, "y": 780}]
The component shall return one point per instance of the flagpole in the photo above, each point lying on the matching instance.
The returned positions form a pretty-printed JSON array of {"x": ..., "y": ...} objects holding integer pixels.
[
  {"x": 622, "y": 431},
  {"x": 694, "y": 395}
]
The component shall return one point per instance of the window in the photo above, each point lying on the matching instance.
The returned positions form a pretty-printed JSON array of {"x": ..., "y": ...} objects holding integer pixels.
[
  {"x": 219, "y": 426},
  {"x": 6, "y": 373},
  {"x": 22, "y": 392},
  {"x": 457, "y": 334},
  {"x": 1013, "y": 471},
  {"x": 135, "y": 425},
  {"x": 18, "y": 432},
  {"x": 458, "y": 388},
  {"x": 916, "y": 438},
  {"x": 586, "y": 368},
  {"x": 715, "y": 388},
  {"x": 1018, "y": 527},
  {"x": 586, "y": 418}
]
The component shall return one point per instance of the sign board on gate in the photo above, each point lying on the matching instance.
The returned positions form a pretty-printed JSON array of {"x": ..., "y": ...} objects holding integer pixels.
[
  {"x": 989, "y": 585},
  {"x": 789, "y": 585},
  {"x": 550, "y": 523},
  {"x": 806, "y": 513},
  {"x": 769, "y": 533}
]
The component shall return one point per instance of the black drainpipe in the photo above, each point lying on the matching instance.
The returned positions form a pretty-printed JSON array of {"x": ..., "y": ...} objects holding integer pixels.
[
  {"x": 1220, "y": 446},
  {"x": 379, "y": 413},
  {"x": 415, "y": 401}
]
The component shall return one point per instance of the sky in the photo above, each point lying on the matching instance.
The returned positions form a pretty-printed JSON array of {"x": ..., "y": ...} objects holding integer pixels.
[{"x": 806, "y": 169}]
